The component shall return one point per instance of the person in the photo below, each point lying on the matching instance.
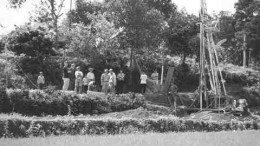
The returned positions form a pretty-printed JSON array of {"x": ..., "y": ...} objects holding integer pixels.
[
  {"x": 90, "y": 78},
  {"x": 155, "y": 76},
  {"x": 143, "y": 82},
  {"x": 242, "y": 105},
  {"x": 78, "y": 80},
  {"x": 112, "y": 81},
  {"x": 155, "y": 81},
  {"x": 120, "y": 82},
  {"x": 66, "y": 79},
  {"x": 40, "y": 81},
  {"x": 104, "y": 81},
  {"x": 173, "y": 94},
  {"x": 85, "y": 84},
  {"x": 234, "y": 104},
  {"x": 71, "y": 72}
]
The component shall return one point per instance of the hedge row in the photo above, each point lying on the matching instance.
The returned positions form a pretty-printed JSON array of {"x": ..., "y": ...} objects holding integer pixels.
[
  {"x": 29, "y": 126},
  {"x": 39, "y": 103}
]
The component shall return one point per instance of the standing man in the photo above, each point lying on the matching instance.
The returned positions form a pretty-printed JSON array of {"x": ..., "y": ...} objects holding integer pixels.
[
  {"x": 78, "y": 80},
  {"x": 112, "y": 81},
  {"x": 104, "y": 81},
  {"x": 71, "y": 72},
  {"x": 143, "y": 82},
  {"x": 155, "y": 76},
  {"x": 90, "y": 78},
  {"x": 173, "y": 95},
  {"x": 66, "y": 79},
  {"x": 120, "y": 81},
  {"x": 40, "y": 81}
]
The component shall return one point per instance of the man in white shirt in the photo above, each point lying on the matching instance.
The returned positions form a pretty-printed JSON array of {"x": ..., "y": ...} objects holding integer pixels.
[
  {"x": 143, "y": 82},
  {"x": 112, "y": 81},
  {"x": 90, "y": 78},
  {"x": 78, "y": 80},
  {"x": 40, "y": 81}
]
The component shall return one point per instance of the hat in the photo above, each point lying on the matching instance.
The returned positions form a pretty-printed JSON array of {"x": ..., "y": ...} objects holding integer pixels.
[
  {"x": 40, "y": 72},
  {"x": 110, "y": 69},
  {"x": 105, "y": 70}
]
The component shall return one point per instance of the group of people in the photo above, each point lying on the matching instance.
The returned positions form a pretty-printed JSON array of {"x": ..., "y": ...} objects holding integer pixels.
[
  {"x": 84, "y": 83},
  {"x": 143, "y": 81},
  {"x": 75, "y": 79},
  {"x": 109, "y": 80}
]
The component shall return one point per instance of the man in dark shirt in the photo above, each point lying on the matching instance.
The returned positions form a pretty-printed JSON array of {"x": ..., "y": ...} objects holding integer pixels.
[
  {"x": 120, "y": 81},
  {"x": 71, "y": 72},
  {"x": 66, "y": 79},
  {"x": 172, "y": 95}
]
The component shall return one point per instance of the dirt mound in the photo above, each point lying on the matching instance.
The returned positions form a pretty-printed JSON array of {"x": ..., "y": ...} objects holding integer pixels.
[
  {"x": 220, "y": 117},
  {"x": 139, "y": 113}
]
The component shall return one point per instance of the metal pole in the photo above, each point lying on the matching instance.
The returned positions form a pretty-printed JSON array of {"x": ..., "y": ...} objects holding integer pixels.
[{"x": 201, "y": 83}]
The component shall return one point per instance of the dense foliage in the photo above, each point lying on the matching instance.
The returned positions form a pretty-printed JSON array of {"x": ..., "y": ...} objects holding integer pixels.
[
  {"x": 51, "y": 102},
  {"x": 17, "y": 126}
]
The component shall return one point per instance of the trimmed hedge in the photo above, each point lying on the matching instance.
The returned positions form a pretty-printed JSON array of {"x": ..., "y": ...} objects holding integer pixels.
[
  {"x": 17, "y": 126},
  {"x": 40, "y": 103}
]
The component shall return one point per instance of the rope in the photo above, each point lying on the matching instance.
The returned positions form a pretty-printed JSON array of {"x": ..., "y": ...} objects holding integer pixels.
[{"x": 26, "y": 75}]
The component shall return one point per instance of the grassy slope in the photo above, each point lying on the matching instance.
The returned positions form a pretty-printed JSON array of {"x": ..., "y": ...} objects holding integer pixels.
[{"x": 249, "y": 138}]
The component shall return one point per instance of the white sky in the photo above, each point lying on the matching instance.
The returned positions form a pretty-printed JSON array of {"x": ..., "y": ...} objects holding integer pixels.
[{"x": 10, "y": 17}]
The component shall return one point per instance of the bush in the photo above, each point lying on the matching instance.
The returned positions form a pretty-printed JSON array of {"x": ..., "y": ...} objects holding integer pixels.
[
  {"x": 51, "y": 102},
  {"x": 18, "y": 126}
]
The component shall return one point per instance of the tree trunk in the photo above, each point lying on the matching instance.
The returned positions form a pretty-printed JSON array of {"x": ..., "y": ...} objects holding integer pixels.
[
  {"x": 57, "y": 33},
  {"x": 131, "y": 70}
]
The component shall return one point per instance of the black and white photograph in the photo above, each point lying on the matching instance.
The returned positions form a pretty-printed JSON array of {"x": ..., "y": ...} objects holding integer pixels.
[{"x": 129, "y": 72}]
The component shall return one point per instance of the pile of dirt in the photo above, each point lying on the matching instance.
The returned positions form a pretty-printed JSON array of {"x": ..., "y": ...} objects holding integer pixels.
[
  {"x": 139, "y": 113},
  {"x": 220, "y": 117},
  {"x": 184, "y": 99}
]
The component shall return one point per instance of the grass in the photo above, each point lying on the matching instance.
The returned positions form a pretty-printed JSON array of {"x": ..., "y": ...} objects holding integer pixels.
[{"x": 237, "y": 138}]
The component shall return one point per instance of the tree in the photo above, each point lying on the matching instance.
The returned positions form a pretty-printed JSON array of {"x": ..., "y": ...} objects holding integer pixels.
[
  {"x": 31, "y": 41},
  {"x": 49, "y": 11},
  {"x": 227, "y": 31},
  {"x": 35, "y": 44},
  {"x": 83, "y": 9},
  {"x": 247, "y": 22},
  {"x": 166, "y": 7},
  {"x": 183, "y": 30},
  {"x": 8, "y": 74},
  {"x": 16, "y": 3},
  {"x": 142, "y": 27}
]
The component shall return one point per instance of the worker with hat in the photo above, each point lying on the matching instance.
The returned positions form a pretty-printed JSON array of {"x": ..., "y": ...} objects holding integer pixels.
[
  {"x": 104, "y": 81},
  {"x": 90, "y": 78}
]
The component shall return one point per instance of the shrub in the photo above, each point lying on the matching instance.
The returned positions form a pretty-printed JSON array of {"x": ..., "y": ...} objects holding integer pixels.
[
  {"x": 51, "y": 102},
  {"x": 19, "y": 126}
]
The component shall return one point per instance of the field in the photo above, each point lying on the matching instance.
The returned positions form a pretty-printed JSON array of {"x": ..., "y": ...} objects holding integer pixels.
[{"x": 236, "y": 138}]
